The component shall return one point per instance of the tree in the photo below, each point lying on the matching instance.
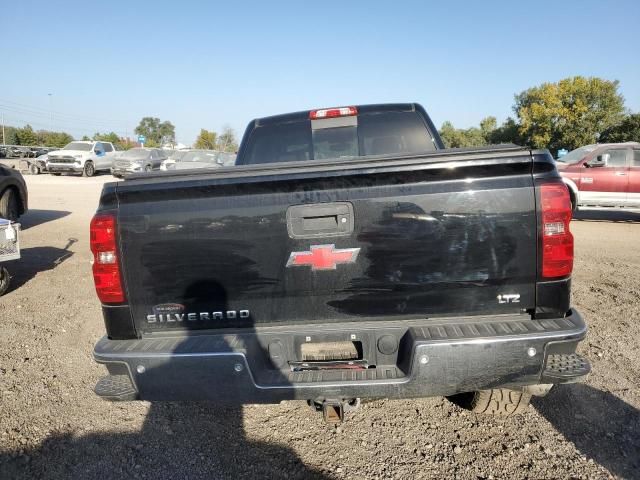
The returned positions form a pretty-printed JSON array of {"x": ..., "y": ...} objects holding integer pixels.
[
  {"x": 119, "y": 142},
  {"x": 573, "y": 112},
  {"x": 167, "y": 132},
  {"x": 456, "y": 137},
  {"x": 227, "y": 140},
  {"x": 10, "y": 136},
  {"x": 508, "y": 132},
  {"x": 206, "y": 140},
  {"x": 156, "y": 132},
  {"x": 26, "y": 136},
  {"x": 111, "y": 137},
  {"x": 626, "y": 131},
  {"x": 488, "y": 134},
  {"x": 126, "y": 143},
  {"x": 487, "y": 127},
  {"x": 57, "y": 139}
]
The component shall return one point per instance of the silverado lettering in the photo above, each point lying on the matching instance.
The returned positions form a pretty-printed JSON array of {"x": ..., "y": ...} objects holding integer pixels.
[{"x": 179, "y": 317}]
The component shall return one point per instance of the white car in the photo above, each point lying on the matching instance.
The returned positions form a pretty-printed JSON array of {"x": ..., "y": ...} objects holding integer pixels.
[
  {"x": 85, "y": 157},
  {"x": 174, "y": 156},
  {"x": 196, "y": 159}
]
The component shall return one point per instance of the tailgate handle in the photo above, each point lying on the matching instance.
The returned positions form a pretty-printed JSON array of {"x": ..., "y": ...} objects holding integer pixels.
[{"x": 320, "y": 220}]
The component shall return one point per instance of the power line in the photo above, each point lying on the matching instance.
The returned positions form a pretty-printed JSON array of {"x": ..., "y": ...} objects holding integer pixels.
[
  {"x": 64, "y": 123},
  {"x": 44, "y": 126},
  {"x": 59, "y": 114},
  {"x": 37, "y": 114}
]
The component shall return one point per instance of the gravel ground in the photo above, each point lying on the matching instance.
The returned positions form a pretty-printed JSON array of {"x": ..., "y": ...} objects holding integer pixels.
[{"x": 53, "y": 426}]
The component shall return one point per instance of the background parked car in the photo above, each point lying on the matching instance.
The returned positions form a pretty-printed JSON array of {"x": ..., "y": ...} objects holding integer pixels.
[
  {"x": 18, "y": 152},
  {"x": 86, "y": 157},
  {"x": 137, "y": 160},
  {"x": 227, "y": 159},
  {"x": 603, "y": 175},
  {"x": 173, "y": 157},
  {"x": 39, "y": 165},
  {"x": 13, "y": 193},
  {"x": 197, "y": 159},
  {"x": 38, "y": 151}
]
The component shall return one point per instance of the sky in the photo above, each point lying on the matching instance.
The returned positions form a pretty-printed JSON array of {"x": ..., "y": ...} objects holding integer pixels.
[{"x": 209, "y": 65}]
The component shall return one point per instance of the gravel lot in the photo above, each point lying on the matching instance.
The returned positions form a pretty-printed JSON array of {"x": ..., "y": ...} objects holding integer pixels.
[{"x": 53, "y": 426}]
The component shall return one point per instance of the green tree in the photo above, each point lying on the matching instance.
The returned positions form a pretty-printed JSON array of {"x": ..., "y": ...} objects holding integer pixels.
[
  {"x": 155, "y": 131},
  {"x": 85, "y": 138},
  {"x": 119, "y": 142},
  {"x": 167, "y": 132},
  {"x": 457, "y": 137},
  {"x": 206, "y": 140},
  {"x": 11, "y": 136},
  {"x": 487, "y": 127},
  {"x": 111, "y": 137},
  {"x": 57, "y": 139},
  {"x": 227, "y": 140},
  {"x": 569, "y": 113},
  {"x": 126, "y": 144},
  {"x": 26, "y": 136},
  {"x": 626, "y": 131},
  {"x": 508, "y": 132}
]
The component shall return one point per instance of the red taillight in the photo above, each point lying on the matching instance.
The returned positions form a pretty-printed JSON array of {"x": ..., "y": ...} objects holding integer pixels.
[
  {"x": 333, "y": 113},
  {"x": 106, "y": 269},
  {"x": 557, "y": 240}
]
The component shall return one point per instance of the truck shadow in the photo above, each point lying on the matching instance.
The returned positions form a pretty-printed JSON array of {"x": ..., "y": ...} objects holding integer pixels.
[
  {"x": 178, "y": 440},
  {"x": 608, "y": 215},
  {"x": 600, "y": 425},
  {"x": 35, "y": 260},
  {"x": 36, "y": 217},
  {"x": 194, "y": 440}
]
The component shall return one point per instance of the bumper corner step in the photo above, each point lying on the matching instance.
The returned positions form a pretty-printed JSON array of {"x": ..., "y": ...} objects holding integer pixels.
[
  {"x": 116, "y": 388},
  {"x": 565, "y": 368}
]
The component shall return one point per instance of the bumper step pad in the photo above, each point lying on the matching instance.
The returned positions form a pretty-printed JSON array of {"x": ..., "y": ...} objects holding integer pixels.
[
  {"x": 565, "y": 368},
  {"x": 116, "y": 388}
]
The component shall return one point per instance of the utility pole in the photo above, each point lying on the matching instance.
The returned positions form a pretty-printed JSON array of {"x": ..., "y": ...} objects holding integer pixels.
[
  {"x": 50, "y": 112},
  {"x": 4, "y": 139}
]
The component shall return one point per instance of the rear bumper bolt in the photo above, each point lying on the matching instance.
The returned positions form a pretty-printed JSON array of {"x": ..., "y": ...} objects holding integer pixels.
[
  {"x": 531, "y": 352},
  {"x": 424, "y": 359},
  {"x": 140, "y": 369},
  {"x": 238, "y": 367}
]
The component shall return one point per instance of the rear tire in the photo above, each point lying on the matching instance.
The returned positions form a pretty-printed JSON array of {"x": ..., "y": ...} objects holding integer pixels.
[
  {"x": 9, "y": 207},
  {"x": 5, "y": 279},
  {"x": 574, "y": 205},
  {"x": 89, "y": 170},
  {"x": 147, "y": 168},
  {"x": 498, "y": 401},
  {"x": 33, "y": 169}
]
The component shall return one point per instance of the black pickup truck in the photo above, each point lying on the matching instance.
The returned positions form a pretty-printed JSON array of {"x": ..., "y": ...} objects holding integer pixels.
[{"x": 346, "y": 256}]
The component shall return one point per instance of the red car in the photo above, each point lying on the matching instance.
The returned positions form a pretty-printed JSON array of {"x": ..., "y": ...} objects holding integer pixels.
[{"x": 603, "y": 175}]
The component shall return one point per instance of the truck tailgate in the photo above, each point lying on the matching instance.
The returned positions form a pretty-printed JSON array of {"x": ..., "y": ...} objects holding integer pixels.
[{"x": 445, "y": 233}]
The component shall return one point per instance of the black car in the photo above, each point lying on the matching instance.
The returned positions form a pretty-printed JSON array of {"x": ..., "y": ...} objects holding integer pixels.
[
  {"x": 37, "y": 151},
  {"x": 13, "y": 193},
  {"x": 18, "y": 152}
]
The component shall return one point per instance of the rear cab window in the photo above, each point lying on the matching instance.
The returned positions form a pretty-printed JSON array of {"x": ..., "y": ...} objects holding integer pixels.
[{"x": 375, "y": 133}]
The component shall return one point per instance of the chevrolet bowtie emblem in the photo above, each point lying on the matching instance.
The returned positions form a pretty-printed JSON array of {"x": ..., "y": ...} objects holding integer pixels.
[{"x": 323, "y": 257}]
